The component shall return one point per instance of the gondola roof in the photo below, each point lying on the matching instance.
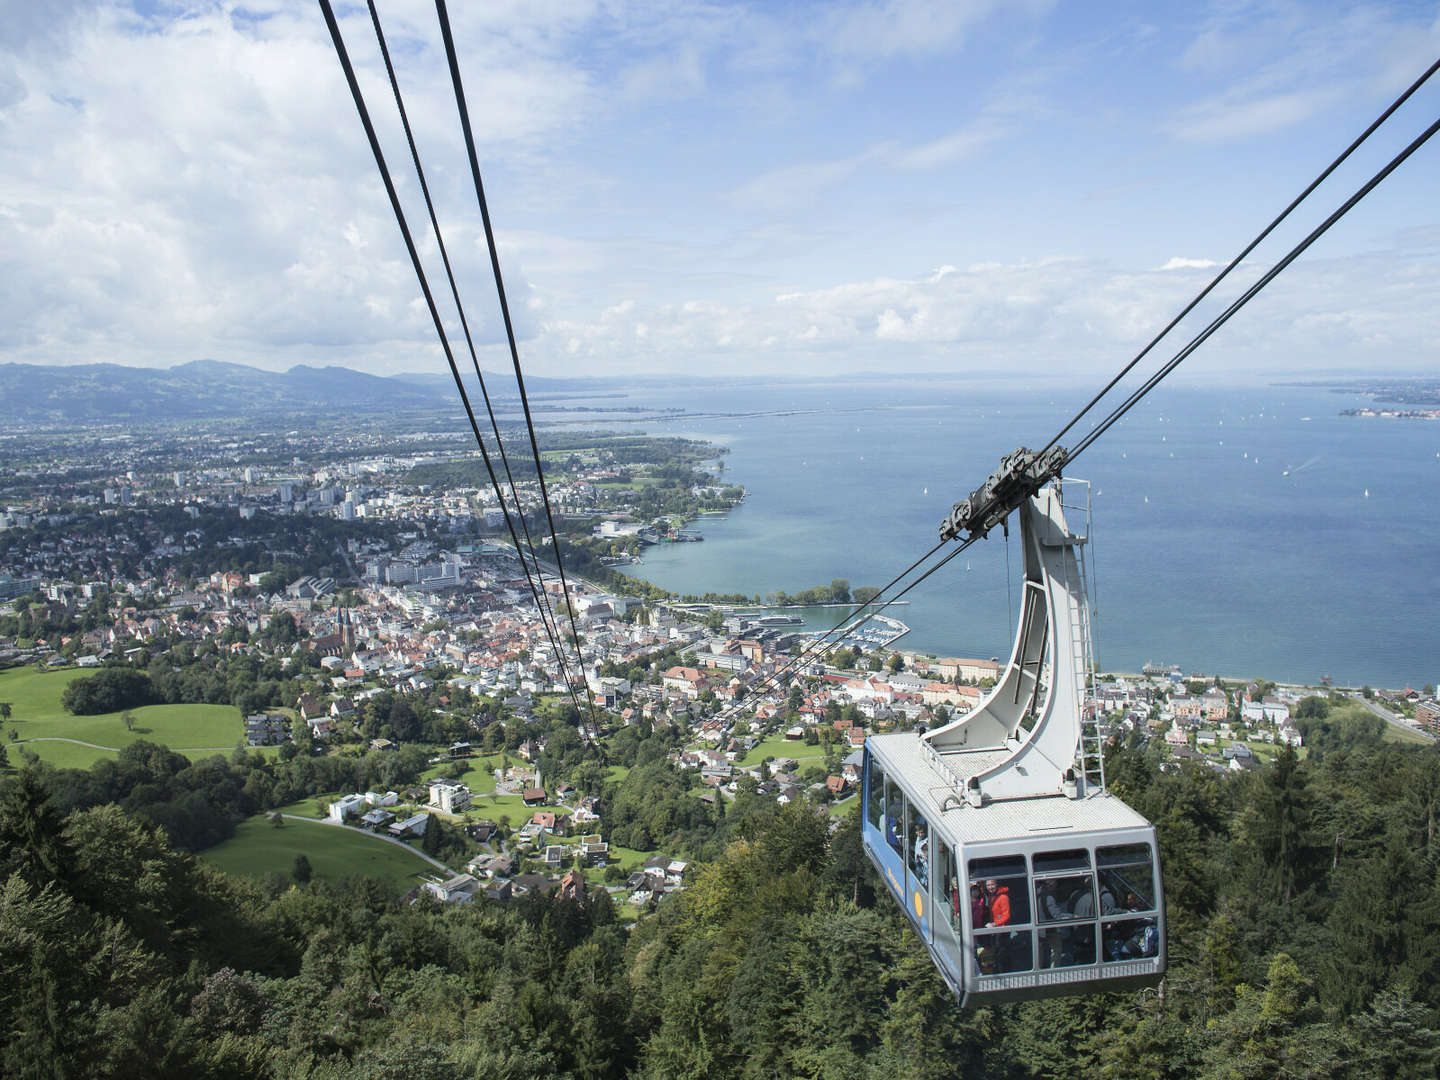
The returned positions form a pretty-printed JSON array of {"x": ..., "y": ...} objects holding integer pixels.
[{"x": 940, "y": 798}]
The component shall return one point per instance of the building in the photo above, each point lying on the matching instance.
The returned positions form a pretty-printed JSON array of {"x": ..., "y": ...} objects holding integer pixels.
[
  {"x": 347, "y": 806},
  {"x": 967, "y": 670},
  {"x": 1427, "y": 715},
  {"x": 412, "y": 826},
  {"x": 460, "y": 889},
  {"x": 450, "y": 798}
]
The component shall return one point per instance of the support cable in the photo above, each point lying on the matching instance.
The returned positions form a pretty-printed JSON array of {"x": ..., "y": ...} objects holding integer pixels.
[
  {"x": 543, "y": 597},
  {"x": 1247, "y": 250},
  {"x": 509, "y": 325},
  {"x": 1250, "y": 293},
  {"x": 360, "y": 107}
]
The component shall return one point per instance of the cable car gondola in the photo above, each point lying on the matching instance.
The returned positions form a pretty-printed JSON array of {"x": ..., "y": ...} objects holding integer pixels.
[{"x": 1024, "y": 877}]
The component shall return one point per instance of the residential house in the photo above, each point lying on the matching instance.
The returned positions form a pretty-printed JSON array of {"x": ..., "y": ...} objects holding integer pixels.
[
  {"x": 594, "y": 850},
  {"x": 267, "y": 729},
  {"x": 481, "y": 831},
  {"x": 346, "y": 807},
  {"x": 460, "y": 889},
  {"x": 451, "y": 798},
  {"x": 412, "y": 826},
  {"x": 689, "y": 681},
  {"x": 1214, "y": 705},
  {"x": 572, "y": 886},
  {"x": 552, "y": 823}
]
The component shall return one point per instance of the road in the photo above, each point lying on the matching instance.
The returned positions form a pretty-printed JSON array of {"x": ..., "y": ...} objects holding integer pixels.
[
  {"x": 116, "y": 749},
  {"x": 1386, "y": 715}
]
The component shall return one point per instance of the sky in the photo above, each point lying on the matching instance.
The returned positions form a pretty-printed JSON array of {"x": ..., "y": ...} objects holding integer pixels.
[{"x": 957, "y": 187}]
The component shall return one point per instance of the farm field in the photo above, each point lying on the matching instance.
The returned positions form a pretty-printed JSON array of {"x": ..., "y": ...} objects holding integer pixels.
[
  {"x": 39, "y": 721},
  {"x": 259, "y": 848}
]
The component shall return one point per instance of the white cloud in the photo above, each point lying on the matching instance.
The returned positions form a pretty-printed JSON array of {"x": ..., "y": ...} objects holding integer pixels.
[
  {"x": 1283, "y": 63},
  {"x": 1062, "y": 314},
  {"x": 192, "y": 181}
]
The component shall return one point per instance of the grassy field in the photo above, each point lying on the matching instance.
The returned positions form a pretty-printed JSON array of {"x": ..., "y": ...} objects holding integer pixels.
[
  {"x": 479, "y": 775},
  {"x": 494, "y": 807},
  {"x": 258, "y": 848},
  {"x": 779, "y": 746},
  {"x": 1405, "y": 735},
  {"x": 36, "y": 714}
]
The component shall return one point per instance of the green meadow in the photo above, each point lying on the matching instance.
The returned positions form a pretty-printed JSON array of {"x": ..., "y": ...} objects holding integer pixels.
[
  {"x": 777, "y": 746},
  {"x": 42, "y": 725},
  {"x": 259, "y": 848}
]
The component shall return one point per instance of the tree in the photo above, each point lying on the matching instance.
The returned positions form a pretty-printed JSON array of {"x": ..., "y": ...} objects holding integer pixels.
[
  {"x": 1282, "y": 828},
  {"x": 128, "y": 718},
  {"x": 839, "y": 591},
  {"x": 302, "y": 871},
  {"x": 897, "y": 663},
  {"x": 5, "y": 710},
  {"x": 109, "y": 690}
]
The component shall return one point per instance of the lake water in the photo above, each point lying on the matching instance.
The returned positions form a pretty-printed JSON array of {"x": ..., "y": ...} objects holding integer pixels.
[{"x": 1247, "y": 531}]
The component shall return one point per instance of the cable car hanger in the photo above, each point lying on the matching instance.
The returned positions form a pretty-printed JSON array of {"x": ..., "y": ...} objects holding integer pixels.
[{"x": 994, "y": 832}]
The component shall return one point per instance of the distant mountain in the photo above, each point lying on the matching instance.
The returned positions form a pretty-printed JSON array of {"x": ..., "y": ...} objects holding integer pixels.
[
  {"x": 86, "y": 393},
  {"x": 202, "y": 388}
]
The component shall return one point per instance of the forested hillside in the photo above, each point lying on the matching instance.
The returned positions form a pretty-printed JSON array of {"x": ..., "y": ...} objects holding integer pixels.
[{"x": 1303, "y": 903}]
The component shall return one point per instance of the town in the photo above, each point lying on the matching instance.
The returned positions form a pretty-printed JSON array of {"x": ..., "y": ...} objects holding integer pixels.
[{"x": 370, "y": 608}]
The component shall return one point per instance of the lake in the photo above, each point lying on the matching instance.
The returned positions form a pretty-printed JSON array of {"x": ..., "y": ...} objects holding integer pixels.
[{"x": 1246, "y": 530}]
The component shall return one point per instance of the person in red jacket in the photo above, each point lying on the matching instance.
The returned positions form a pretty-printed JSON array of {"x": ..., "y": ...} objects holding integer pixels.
[{"x": 997, "y": 899}]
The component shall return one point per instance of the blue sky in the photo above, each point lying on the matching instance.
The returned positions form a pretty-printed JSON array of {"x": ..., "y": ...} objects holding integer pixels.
[{"x": 727, "y": 188}]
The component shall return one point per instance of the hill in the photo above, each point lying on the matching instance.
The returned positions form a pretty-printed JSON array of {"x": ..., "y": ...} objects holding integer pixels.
[{"x": 201, "y": 388}]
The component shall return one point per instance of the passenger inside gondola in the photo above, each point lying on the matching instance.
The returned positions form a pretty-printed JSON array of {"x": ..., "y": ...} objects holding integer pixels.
[
  {"x": 920, "y": 853},
  {"x": 1066, "y": 895},
  {"x": 1003, "y": 937},
  {"x": 893, "y": 826},
  {"x": 1054, "y": 941},
  {"x": 979, "y": 910}
]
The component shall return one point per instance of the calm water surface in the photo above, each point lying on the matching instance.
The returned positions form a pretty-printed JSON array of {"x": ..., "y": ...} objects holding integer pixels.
[{"x": 1247, "y": 531}]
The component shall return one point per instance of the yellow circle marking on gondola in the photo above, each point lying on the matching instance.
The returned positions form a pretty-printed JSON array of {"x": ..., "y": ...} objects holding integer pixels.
[{"x": 919, "y": 907}]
